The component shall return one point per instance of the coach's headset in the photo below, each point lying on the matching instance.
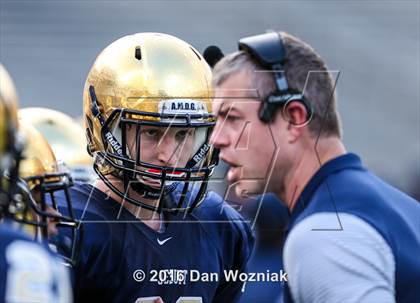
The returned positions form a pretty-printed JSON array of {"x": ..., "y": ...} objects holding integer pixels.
[{"x": 269, "y": 51}]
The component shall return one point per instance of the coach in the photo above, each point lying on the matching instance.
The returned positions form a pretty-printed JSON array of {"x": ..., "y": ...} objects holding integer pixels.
[{"x": 352, "y": 237}]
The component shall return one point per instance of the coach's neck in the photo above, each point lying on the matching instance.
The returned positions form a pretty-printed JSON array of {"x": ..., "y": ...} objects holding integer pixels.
[{"x": 305, "y": 164}]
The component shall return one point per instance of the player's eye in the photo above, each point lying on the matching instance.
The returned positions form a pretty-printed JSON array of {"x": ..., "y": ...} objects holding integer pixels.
[
  {"x": 151, "y": 133},
  {"x": 182, "y": 134}
]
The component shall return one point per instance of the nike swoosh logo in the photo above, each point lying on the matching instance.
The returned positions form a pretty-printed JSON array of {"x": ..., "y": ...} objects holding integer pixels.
[{"x": 163, "y": 241}]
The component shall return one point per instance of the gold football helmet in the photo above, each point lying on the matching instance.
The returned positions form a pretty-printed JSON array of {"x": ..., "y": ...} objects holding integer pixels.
[
  {"x": 66, "y": 138},
  {"x": 45, "y": 178},
  {"x": 10, "y": 146},
  {"x": 141, "y": 89}
]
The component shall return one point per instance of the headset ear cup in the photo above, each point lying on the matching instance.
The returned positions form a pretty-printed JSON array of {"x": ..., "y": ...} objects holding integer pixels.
[
  {"x": 265, "y": 112},
  {"x": 308, "y": 110}
]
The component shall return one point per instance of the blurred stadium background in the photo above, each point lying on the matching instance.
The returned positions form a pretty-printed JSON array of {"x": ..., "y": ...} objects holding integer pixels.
[{"x": 49, "y": 47}]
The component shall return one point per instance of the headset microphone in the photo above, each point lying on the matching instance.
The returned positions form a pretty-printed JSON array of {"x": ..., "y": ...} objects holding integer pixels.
[{"x": 212, "y": 55}]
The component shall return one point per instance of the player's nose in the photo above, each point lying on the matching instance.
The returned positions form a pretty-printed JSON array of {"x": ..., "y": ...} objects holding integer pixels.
[{"x": 167, "y": 151}]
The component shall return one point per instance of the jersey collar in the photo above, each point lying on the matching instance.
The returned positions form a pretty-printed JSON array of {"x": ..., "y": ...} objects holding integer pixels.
[{"x": 346, "y": 161}]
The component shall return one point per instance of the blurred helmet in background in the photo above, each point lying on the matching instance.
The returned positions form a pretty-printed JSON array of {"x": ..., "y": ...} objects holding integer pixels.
[
  {"x": 45, "y": 178},
  {"x": 10, "y": 147},
  {"x": 66, "y": 137}
]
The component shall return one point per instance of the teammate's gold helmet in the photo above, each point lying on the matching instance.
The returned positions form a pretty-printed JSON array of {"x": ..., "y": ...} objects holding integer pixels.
[
  {"x": 10, "y": 145},
  {"x": 45, "y": 178},
  {"x": 38, "y": 164},
  {"x": 65, "y": 136},
  {"x": 143, "y": 80}
]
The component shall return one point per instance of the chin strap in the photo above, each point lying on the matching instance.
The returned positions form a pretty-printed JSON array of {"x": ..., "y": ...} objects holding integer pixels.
[
  {"x": 96, "y": 112},
  {"x": 199, "y": 155}
]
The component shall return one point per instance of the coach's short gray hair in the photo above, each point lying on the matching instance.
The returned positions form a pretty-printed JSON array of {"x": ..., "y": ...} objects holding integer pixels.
[{"x": 301, "y": 61}]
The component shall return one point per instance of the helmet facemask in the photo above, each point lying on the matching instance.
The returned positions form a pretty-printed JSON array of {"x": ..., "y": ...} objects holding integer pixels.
[
  {"x": 41, "y": 178},
  {"x": 154, "y": 153},
  {"x": 9, "y": 175},
  {"x": 11, "y": 147},
  {"x": 39, "y": 212}
]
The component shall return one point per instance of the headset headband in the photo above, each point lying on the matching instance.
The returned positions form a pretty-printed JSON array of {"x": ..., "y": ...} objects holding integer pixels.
[{"x": 269, "y": 51}]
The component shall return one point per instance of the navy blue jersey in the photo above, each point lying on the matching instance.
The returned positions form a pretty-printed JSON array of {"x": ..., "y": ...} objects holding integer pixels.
[
  {"x": 343, "y": 185},
  {"x": 30, "y": 272},
  {"x": 123, "y": 260}
]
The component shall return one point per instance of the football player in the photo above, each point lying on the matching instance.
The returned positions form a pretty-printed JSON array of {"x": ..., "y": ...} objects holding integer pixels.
[
  {"x": 29, "y": 272},
  {"x": 44, "y": 177},
  {"x": 150, "y": 228},
  {"x": 66, "y": 138}
]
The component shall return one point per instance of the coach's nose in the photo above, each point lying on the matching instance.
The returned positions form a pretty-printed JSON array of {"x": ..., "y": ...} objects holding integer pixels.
[{"x": 219, "y": 138}]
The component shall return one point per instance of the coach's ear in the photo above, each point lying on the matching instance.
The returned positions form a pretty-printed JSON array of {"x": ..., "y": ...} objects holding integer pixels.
[{"x": 297, "y": 118}]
